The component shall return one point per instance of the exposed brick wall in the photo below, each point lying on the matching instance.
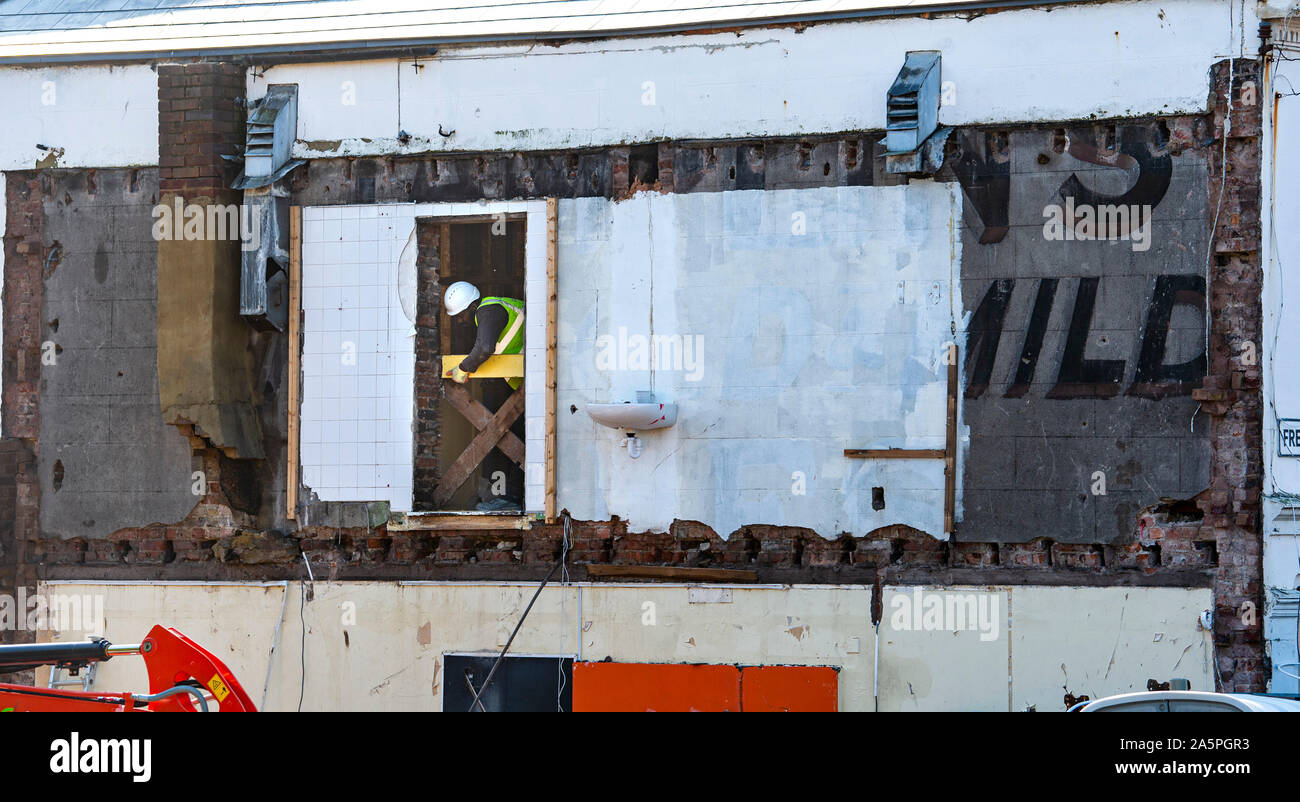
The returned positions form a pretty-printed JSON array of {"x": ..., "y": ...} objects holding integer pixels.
[
  {"x": 212, "y": 544},
  {"x": 216, "y": 542},
  {"x": 428, "y": 364},
  {"x": 25, "y": 255},
  {"x": 206, "y": 534},
  {"x": 1231, "y": 393}
]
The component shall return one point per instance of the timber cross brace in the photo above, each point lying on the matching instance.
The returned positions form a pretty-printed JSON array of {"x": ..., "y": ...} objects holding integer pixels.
[{"x": 493, "y": 432}]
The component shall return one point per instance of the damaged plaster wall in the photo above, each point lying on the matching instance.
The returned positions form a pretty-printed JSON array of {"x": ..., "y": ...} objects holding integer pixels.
[
  {"x": 98, "y": 116},
  {"x": 1043, "y": 643},
  {"x": 107, "y": 460},
  {"x": 1083, "y": 353},
  {"x": 1017, "y": 65},
  {"x": 788, "y": 326}
]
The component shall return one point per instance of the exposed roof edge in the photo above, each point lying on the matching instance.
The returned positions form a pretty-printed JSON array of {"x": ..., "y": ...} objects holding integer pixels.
[{"x": 282, "y": 54}]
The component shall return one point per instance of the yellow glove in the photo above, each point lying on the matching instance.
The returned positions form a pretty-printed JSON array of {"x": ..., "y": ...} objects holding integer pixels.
[{"x": 457, "y": 375}]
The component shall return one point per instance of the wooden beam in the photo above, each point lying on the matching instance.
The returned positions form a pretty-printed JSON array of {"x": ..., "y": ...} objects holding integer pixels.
[
  {"x": 418, "y": 522},
  {"x": 677, "y": 572},
  {"x": 479, "y": 416},
  {"x": 894, "y": 453},
  {"x": 462, "y": 219},
  {"x": 483, "y": 442},
  {"x": 552, "y": 322},
  {"x": 950, "y": 448},
  {"x": 295, "y": 355},
  {"x": 497, "y": 366}
]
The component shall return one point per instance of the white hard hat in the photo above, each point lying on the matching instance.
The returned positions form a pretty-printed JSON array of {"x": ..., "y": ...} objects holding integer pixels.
[{"x": 459, "y": 296}]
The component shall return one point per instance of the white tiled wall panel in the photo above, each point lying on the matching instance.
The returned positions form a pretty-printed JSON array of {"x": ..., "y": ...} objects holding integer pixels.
[{"x": 358, "y": 357}]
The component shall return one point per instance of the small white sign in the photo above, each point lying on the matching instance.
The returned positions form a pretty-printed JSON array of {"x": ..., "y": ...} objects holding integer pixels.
[{"x": 1288, "y": 437}]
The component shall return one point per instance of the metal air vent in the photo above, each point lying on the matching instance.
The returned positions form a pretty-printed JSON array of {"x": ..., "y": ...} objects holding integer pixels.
[
  {"x": 271, "y": 128},
  {"x": 912, "y": 103}
]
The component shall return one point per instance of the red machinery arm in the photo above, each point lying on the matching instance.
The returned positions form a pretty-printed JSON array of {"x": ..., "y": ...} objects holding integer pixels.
[{"x": 171, "y": 660}]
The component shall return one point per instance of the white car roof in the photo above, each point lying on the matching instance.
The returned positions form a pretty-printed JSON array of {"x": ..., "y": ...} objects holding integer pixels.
[{"x": 1190, "y": 701}]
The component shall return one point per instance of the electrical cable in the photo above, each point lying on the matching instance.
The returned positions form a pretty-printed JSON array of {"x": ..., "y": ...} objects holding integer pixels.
[
  {"x": 275, "y": 644},
  {"x": 511, "y": 640},
  {"x": 1209, "y": 250},
  {"x": 302, "y": 647},
  {"x": 302, "y": 619},
  {"x": 564, "y": 617},
  {"x": 1223, "y": 185}
]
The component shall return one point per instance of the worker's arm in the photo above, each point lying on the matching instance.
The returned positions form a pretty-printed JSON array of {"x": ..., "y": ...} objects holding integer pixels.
[{"x": 491, "y": 322}]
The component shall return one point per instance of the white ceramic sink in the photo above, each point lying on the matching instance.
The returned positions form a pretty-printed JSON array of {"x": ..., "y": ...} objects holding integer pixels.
[{"x": 634, "y": 417}]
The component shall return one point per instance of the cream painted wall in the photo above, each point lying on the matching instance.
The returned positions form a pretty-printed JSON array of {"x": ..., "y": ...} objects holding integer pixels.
[{"x": 1097, "y": 641}]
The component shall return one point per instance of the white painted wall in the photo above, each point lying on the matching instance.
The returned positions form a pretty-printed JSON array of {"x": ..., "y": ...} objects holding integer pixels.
[
  {"x": 807, "y": 341},
  {"x": 358, "y": 402},
  {"x": 1020, "y": 65},
  {"x": 4, "y": 222},
  {"x": 1095, "y": 641},
  {"x": 100, "y": 116}
]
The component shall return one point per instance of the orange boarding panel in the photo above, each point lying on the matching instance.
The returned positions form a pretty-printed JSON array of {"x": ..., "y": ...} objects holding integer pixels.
[
  {"x": 651, "y": 687},
  {"x": 792, "y": 689}
]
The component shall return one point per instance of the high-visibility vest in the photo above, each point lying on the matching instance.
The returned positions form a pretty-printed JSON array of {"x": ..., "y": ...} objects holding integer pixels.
[{"x": 511, "y": 338}]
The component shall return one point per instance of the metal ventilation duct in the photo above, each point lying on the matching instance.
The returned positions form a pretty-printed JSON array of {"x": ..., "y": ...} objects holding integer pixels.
[
  {"x": 912, "y": 103},
  {"x": 263, "y": 286},
  {"x": 272, "y": 125}
]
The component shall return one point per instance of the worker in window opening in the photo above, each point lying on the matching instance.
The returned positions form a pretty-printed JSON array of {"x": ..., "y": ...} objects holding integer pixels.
[{"x": 500, "y": 323}]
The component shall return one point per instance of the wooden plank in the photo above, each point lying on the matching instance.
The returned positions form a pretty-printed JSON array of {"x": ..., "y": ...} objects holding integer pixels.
[
  {"x": 950, "y": 448},
  {"x": 295, "y": 354},
  {"x": 483, "y": 442},
  {"x": 479, "y": 416},
  {"x": 552, "y": 322},
  {"x": 683, "y": 573},
  {"x": 459, "y": 219},
  {"x": 419, "y": 522},
  {"x": 894, "y": 453},
  {"x": 497, "y": 366}
]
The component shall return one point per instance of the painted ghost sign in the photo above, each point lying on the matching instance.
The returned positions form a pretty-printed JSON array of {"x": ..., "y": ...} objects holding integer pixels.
[{"x": 1083, "y": 255}]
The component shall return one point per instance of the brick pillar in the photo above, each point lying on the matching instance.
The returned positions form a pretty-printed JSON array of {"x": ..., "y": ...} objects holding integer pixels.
[
  {"x": 205, "y": 366},
  {"x": 200, "y": 119},
  {"x": 1231, "y": 392},
  {"x": 428, "y": 362},
  {"x": 25, "y": 253}
]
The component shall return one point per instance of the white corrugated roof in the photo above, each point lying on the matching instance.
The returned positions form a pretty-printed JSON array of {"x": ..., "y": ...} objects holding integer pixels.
[{"x": 61, "y": 30}]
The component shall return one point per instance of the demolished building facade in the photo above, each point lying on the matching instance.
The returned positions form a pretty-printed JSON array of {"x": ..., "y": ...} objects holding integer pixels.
[{"x": 984, "y": 418}]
